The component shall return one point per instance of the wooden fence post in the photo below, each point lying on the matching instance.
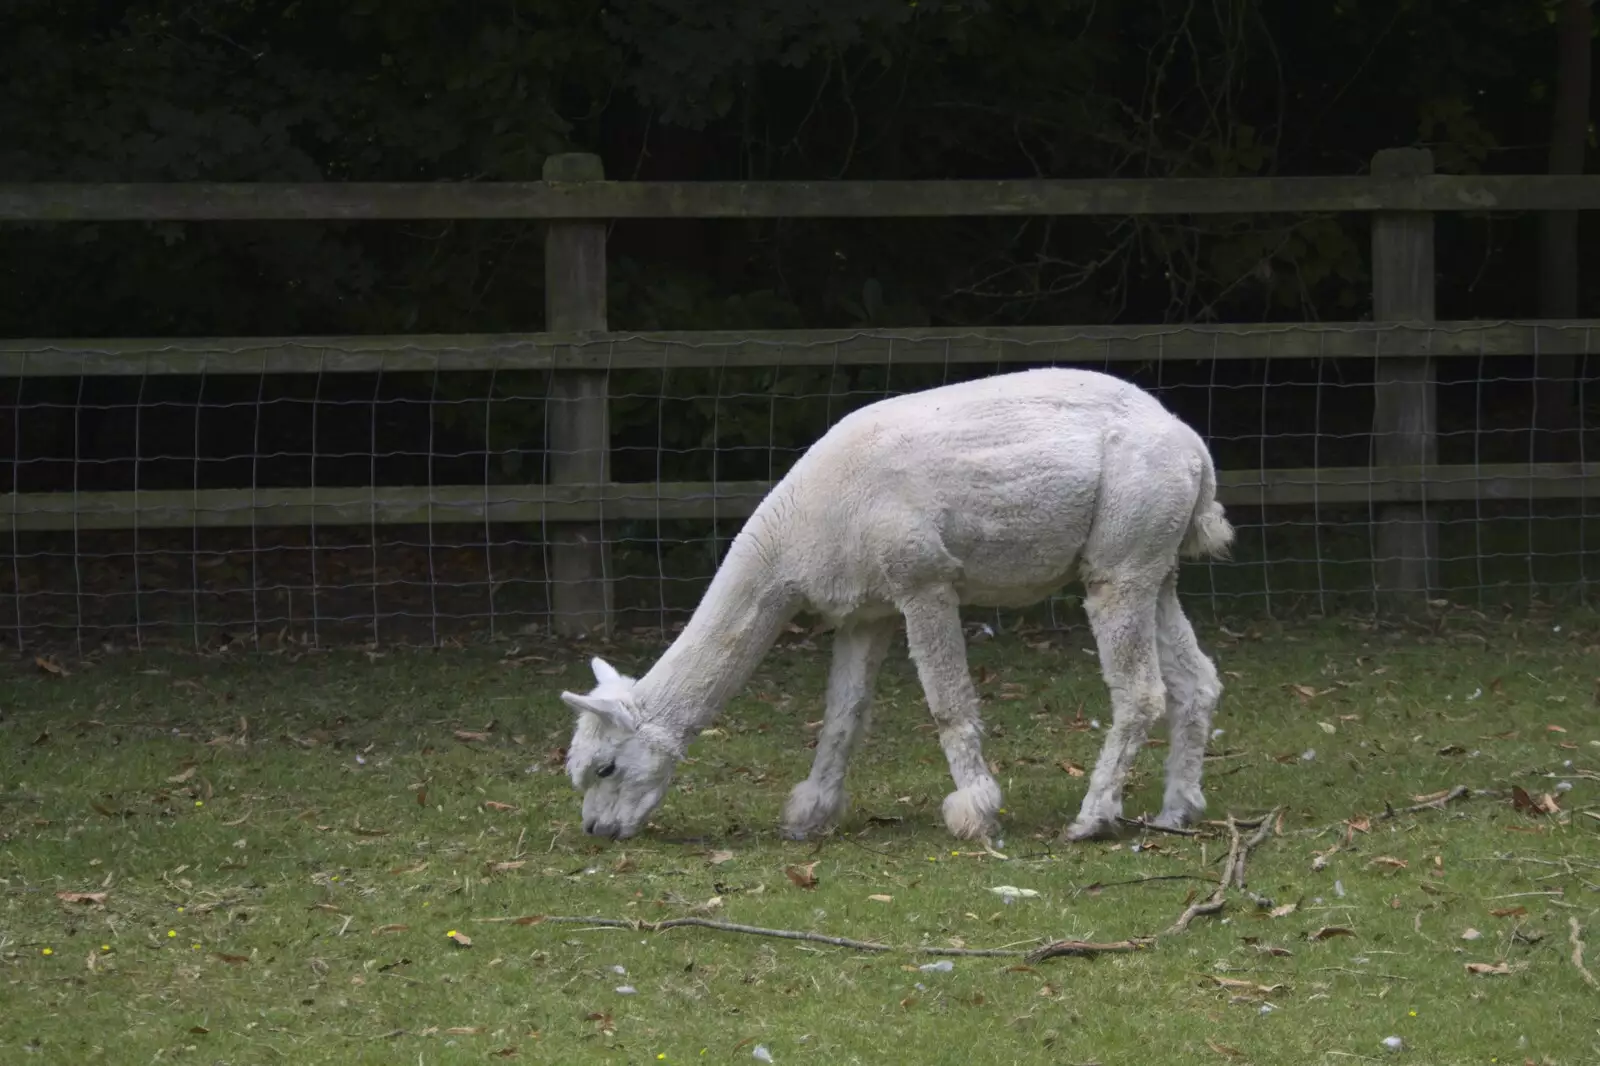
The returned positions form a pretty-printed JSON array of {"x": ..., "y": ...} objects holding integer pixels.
[
  {"x": 577, "y": 424},
  {"x": 1404, "y": 414}
]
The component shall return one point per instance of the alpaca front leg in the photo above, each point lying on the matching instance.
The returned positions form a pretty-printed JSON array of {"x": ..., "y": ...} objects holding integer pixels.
[
  {"x": 1123, "y": 620},
  {"x": 858, "y": 652},
  {"x": 933, "y": 631}
]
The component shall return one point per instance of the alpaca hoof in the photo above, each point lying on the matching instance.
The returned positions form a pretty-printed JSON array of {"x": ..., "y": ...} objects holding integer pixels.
[
  {"x": 810, "y": 811},
  {"x": 1180, "y": 811},
  {"x": 971, "y": 813},
  {"x": 1091, "y": 829}
]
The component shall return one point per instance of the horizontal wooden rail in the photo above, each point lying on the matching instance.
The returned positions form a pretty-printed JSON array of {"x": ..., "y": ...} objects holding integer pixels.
[
  {"x": 419, "y": 353},
  {"x": 468, "y": 504},
  {"x": 264, "y": 201}
]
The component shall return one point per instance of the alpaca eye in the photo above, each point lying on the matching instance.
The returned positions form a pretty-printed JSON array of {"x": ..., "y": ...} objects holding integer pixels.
[{"x": 607, "y": 770}]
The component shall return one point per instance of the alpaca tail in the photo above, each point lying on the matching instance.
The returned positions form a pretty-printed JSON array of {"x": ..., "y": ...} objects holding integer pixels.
[{"x": 1210, "y": 533}]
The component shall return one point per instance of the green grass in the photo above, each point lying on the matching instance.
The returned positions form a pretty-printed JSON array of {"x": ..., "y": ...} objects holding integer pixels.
[{"x": 329, "y": 798}]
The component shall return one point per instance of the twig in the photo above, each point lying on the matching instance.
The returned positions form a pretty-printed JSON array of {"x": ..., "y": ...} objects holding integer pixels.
[
  {"x": 1086, "y": 949},
  {"x": 1362, "y": 973},
  {"x": 1219, "y": 896},
  {"x": 1259, "y": 837},
  {"x": 1233, "y": 868},
  {"x": 641, "y": 926},
  {"x": 1460, "y": 792},
  {"x": 1577, "y": 953},
  {"x": 1097, "y": 885}
]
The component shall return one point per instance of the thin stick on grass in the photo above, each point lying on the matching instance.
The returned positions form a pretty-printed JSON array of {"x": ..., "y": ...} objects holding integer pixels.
[
  {"x": 1460, "y": 792},
  {"x": 1576, "y": 940},
  {"x": 641, "y": 926},
  {"x": 1219, "y": 897},
  {"x": 1233, "y": 868},
  {"x": 1087, "y": 949}
]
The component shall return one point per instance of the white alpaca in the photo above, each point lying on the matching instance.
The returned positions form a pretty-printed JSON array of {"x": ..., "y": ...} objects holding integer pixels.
[{"x": 993, "y": 493}]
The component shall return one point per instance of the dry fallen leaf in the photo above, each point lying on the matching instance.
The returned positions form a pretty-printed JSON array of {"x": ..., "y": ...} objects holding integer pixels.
[
  {"x": 468, "y": 735},
  {"x": 459, "y": 939},
  {"x": 1488, "y": 969},
  {"x": 464, "y": 1030},
  {"x": 96, "y": 898},
  {"x": 496, "y": 805},
  {"x": 414, "y": 869},
  {"x": 396, "y": 928},
  {"x": 1328, "y": 932},
  {"x": 878, "y": 897},
  {"x": 803, "y": 876},
  {"x": 1390, "y": 861},
  {"x": 1284, "y": 910},
  {"x": 507, "y": 867},
  {"x": 180, "y": 778},
  {"x": 233, "y": 960},
  {"x": 717, "y": 858},
  {"x": 1509, "y": 912},
  {"x": 51, "y": 667},
  {"x": 1072, "y": 768},
  {"x": 529, "y": 919}
]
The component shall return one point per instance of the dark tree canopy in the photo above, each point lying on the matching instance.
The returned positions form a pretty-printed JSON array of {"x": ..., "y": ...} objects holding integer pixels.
[{"x": 422, "y": 90}]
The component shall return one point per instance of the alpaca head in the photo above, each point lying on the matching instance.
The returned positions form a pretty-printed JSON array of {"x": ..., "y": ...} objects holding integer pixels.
[{"x": 622, "y": 770}]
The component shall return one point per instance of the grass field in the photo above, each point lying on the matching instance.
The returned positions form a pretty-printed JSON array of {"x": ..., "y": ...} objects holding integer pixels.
[{"x": 259, "y": 857}]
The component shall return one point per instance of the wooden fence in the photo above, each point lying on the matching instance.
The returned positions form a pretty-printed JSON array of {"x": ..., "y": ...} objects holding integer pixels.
[{"x": 1401, "y": 194}]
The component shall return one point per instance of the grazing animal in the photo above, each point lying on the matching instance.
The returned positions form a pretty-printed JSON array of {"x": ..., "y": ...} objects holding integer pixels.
[{"x": 992, "y": 493}]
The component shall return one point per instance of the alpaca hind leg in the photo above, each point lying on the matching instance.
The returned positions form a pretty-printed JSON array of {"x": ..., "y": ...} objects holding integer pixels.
[
  {"x": 1193, "y": 689},
  {"x": 933, "y": 631},
  {"x": 1123, "y": 617},
  {"x": 858, "y": 652}
]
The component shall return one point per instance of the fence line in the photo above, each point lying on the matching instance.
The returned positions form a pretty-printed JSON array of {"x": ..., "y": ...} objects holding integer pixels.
[
  {"x": 731, "y": 349},
  {"x": 571, "y": 513},
  {"x": 684, "y": 500},
  {"x": 580, "y": 198}
]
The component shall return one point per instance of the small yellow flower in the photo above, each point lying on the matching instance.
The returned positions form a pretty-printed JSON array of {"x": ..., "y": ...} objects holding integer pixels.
[
  {"x": 199, "y": 803},
  {"x": 180, "y": 910},
  {"x": 424, "y": 903},
  {"x": 171, "y": 933},
  {"x": 451, "y": 933},
  {"x": 661, "y": 1056},
  {"x": 105, "y": 947},
  {"x": 1413, "y": 1014},
  {"x": 194, "y": 947},
  {"x": 49, "y": 951}
]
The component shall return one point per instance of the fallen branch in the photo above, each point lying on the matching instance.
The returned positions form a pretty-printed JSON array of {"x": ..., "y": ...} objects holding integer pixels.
[
  {"x": 1219, "y": 897},
  {"x": 1577, "y": 953},
  {"x": 1098, "y": 886},
  {"x": 1460, "y": 792},
  {"x": 639, "y": 925},
  {"x": 1233, "y": 868},
  {"x": 1086, "y": 949}
]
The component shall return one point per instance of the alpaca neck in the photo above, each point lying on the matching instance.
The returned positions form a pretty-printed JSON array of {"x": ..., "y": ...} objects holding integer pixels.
[{"x": 731, "y": 631}]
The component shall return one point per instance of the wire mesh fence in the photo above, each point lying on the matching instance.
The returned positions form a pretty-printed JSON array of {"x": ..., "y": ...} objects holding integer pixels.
[{"x": 398, "y": 489}]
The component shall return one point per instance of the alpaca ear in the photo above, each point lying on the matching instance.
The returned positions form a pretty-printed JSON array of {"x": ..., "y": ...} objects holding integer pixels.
[
  {"x": 610, "y": 711},
  {"x": 604, "y": 672}
]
